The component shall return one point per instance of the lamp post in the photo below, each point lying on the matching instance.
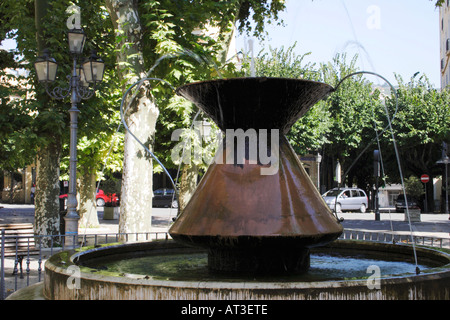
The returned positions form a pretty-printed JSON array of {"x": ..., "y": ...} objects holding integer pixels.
[
  {"x": 376, "y": 173},
  {"x": 318, "y": 161},
  {"x": 90, "y": 71},
  {"x": 445, "y": 160}
]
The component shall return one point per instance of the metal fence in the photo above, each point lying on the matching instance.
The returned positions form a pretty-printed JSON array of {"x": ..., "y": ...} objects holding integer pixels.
[
  {"x": 24, "y": 267},
  {"x": 23, "y": 257},
  {"x": 395, "y": 237}
]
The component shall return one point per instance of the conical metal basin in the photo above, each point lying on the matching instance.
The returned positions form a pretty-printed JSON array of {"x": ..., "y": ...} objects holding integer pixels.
[{"x": 251, "y": 220}]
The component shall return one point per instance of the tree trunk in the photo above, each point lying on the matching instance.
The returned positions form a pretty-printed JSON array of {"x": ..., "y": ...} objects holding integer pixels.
[
  {"x": 87, "y": 208},
  {"x": 11, "y": 187},
  {"x": 46, "y": 219},
  {"x": 47, "y": 211},
  {"x": 137, "y": 178},
  {"x": 188, "y": 184}
]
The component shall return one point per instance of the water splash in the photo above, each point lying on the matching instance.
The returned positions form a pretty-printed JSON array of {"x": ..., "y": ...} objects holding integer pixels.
[{"x": 360, "y": 47}]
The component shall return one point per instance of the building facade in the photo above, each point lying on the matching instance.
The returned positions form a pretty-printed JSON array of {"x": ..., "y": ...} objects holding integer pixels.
[{"x": 444, "y": 31}]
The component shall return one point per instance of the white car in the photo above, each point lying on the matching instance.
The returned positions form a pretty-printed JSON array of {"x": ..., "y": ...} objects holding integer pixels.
[{"x": 347, "y": 199}]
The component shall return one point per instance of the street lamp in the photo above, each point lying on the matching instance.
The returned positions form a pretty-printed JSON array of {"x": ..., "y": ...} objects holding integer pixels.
[
  {"x": 91, "y": 71},
  {"x": 318, "y": 161},
  {"x": 445, "y": 160}
]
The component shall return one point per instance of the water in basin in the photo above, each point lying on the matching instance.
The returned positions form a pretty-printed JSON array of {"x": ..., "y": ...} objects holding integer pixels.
[{"x": 194, "y": 267}]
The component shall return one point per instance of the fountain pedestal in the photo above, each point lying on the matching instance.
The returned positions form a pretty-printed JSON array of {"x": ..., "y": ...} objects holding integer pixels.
[{"x": 251, "y": 220}]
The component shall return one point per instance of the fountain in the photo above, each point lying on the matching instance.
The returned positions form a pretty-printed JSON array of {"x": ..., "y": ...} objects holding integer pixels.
[
  {"x": 249, "y": 221},
  {"x": 251, "y": 226}
]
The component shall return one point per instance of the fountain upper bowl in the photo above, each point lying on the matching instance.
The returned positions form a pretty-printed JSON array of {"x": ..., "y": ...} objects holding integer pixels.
[{"x": 257, "y": 103}]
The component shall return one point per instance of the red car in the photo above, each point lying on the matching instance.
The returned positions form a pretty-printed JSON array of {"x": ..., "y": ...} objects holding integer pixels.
[{"x": 101, "y": 198}]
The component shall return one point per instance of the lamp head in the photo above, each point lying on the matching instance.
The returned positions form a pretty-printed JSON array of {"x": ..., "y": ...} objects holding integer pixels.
[
  {"x": 46, "y": 67},
  {"x": 94, "y": 68},
  {"x": 77, "y": 38}
]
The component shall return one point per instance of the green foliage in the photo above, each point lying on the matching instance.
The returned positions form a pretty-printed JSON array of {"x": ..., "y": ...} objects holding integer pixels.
[
  {"x": 18, "y": 138},
  {"x": 46, "y": 119},
  {"x": 111, "y": 186},
  {"x": 351, "y": 107},
  {"x": 284, "y": 63},
  {"x": 420, "y": 126},
  {"x": 414, "y": 187},
  {"x": 263, "y": 11},
  {"x": 430, "y": 109}
]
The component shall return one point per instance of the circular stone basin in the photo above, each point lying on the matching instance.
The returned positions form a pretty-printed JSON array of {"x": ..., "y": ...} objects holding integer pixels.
[{"x": 168, "y": 270}]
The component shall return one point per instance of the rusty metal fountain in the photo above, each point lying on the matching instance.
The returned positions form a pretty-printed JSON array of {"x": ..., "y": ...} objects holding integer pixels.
[{"x": 249, "y": 221}]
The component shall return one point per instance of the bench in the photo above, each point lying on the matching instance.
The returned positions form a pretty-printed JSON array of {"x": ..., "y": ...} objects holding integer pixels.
[{"x": 19, "y": 243}]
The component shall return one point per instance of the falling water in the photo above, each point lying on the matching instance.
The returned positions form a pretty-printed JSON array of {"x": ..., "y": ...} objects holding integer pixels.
[{"x": 388, "y": 127}]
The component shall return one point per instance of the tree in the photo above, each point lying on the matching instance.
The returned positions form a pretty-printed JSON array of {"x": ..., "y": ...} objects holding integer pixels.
[
  {"x": 47, "y": 119},
  {"x": 420, "y": 126},
  {"x": 140, "y": 116},
  {"x": 16, "y": 136},
  {"x": 414, "y": 187},
  {"x": 355, "y": 114}
]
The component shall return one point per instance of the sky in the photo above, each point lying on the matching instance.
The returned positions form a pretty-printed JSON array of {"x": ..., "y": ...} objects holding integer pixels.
[{"x": 390, "y": 37}]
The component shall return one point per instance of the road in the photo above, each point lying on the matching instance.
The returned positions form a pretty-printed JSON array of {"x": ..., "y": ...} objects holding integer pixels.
[{"x": 436, "y": 225}]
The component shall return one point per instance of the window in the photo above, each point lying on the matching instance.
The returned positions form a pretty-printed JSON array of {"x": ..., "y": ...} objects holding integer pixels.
[{"x": 392, "y": 197}]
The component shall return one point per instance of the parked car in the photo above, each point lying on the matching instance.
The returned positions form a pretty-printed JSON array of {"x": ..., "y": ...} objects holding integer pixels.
[
  {"x": 400, "y": 204},
  {"x": 165, "y": 197},
  {"x": 101, "y": 199},
  {"x": 347, "y": 199}
]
